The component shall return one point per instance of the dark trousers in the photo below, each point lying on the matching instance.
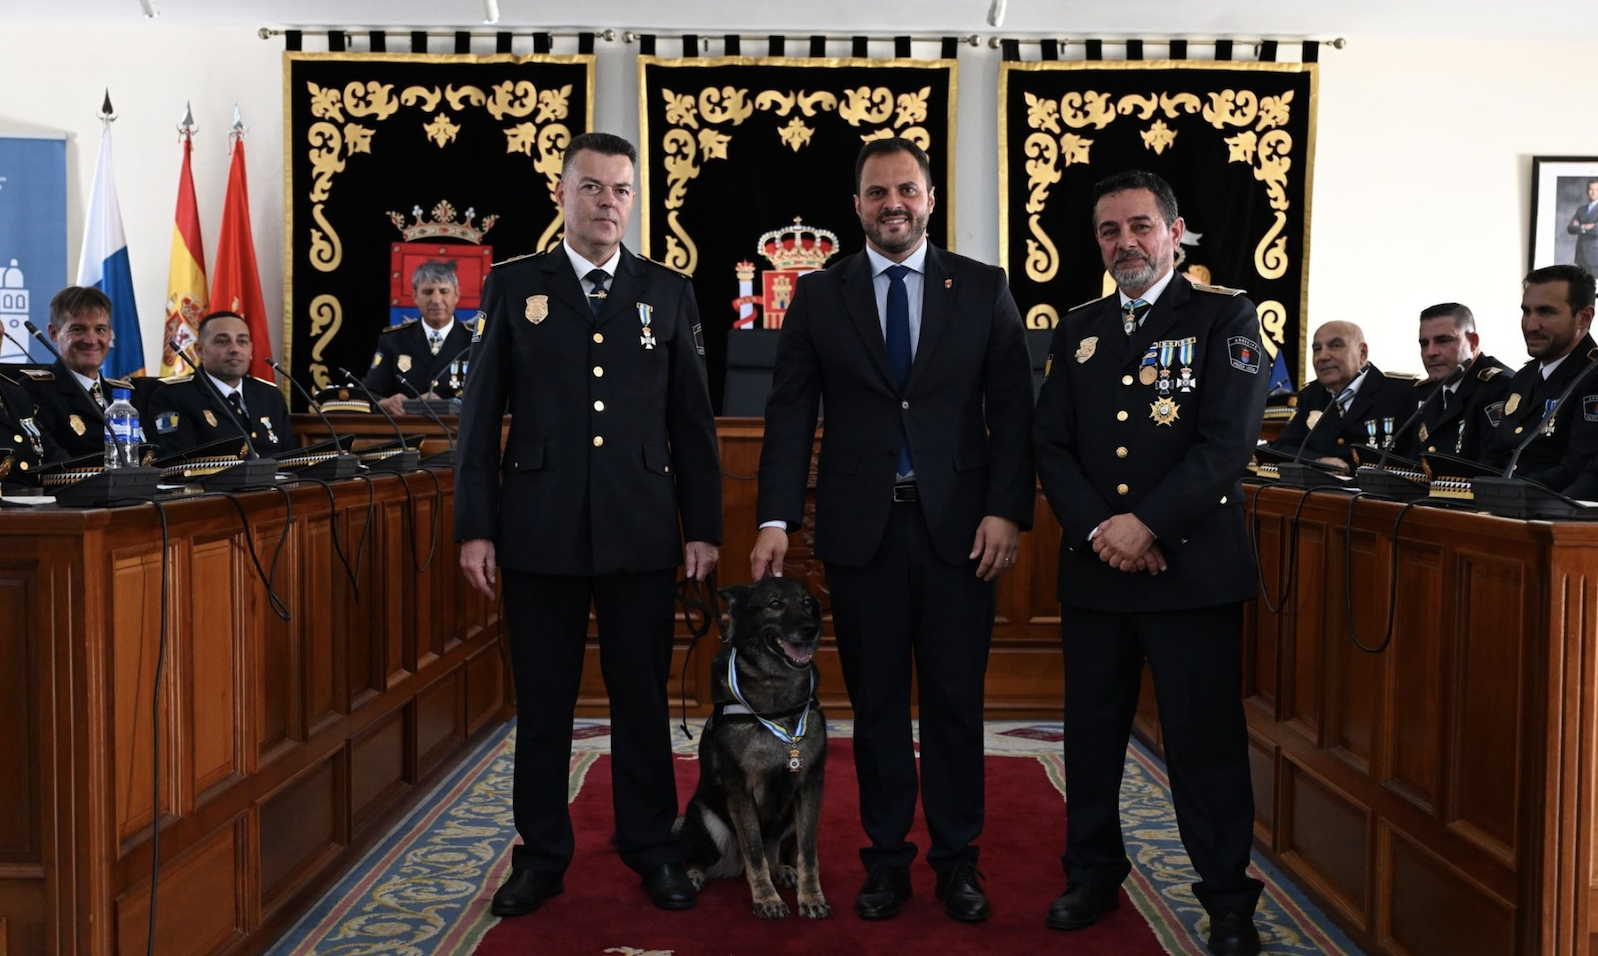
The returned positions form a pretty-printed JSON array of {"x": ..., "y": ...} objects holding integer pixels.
[
  {"x": 906, "y": 603},
  {"x": 1195, "y": 657},
  {"x": 547, "y": 620}
]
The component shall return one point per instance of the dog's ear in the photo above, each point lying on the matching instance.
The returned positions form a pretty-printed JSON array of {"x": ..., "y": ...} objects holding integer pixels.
[{"x": 733, "y": 594}]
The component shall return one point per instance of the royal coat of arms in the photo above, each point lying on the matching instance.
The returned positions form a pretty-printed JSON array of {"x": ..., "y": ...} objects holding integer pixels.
[{"x": 792, "y": 251}]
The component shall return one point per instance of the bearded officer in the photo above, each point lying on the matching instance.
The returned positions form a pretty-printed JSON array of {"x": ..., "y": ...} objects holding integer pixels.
[
  {"x": 188, "y": 413},
  {"x": 611, "y": 462}
]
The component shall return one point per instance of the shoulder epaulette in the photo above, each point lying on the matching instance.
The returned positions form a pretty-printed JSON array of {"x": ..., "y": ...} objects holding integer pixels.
[
  {"x": 1218, "y": 289},
  {"x": 506, "y": 262},
  {"x": 1083, "y": 305},
  {"x": 1405, "y": 377},
  {"x": 118, "y": 382},
  {"x": 657, "y": 262},
  {"x": 264, "y": 381},
  {"x": 177, "y": 379},
  {"x": 38, "y": 374},
  {"x": 403, "y": 325},
  {"x": 1422, "y": 382},
  {"x": 1592, "y": 354},
  {"x": 1487, "y": 373}
]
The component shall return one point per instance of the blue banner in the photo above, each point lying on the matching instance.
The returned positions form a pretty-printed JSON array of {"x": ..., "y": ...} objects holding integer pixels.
[{"x": 33, "y": 239}]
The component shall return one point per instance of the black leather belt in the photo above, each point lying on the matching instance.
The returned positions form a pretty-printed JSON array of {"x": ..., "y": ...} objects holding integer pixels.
[{"x": 905, "y": 492}]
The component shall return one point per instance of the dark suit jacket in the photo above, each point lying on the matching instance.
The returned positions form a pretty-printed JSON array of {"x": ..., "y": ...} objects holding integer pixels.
[
  {"x": 612, "y": 458},
  {"x": 1379, "y": 407},
  {"x": 966, "y": 409},
  {"x": 406, "y": 345},
  {"x": 1586, "y": 239},
  {"x": 21, "y": 434},
  {"x": 1554, "y": 460},
  {"x": 178, "y": 422},
  {"x": 74, "y": 425},
  {"x": 1473, "y": 412},
  {"x": 1101, "y": 451}
]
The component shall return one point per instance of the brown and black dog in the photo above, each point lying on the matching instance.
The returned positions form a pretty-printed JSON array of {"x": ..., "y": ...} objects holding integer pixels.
[{"x": 763, "y": 752}]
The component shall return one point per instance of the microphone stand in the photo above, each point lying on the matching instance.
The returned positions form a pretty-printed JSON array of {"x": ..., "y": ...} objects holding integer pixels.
[
  {"x": 1305, "y": 475},
  {"x": 253, "y": 472},
  {"x": 108, "y": 487},
  {"x": 443, "y": 459},
  {"x": 1404, "y": 484},
  {"x": 432, "y": 386},
  {"x": 1514, "y": 497},
  {"x": 406, "y": 458},
  {"x": 341, "y": 464}
]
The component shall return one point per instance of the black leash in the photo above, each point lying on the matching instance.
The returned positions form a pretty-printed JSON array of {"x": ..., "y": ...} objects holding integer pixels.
[{"x": 697, "y": 615}]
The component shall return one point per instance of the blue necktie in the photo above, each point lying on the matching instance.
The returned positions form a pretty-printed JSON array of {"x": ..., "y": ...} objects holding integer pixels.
[{"x": 899, "y": 342}]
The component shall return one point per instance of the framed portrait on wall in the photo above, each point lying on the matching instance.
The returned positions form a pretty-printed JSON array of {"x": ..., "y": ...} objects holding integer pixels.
[{"x": 1564, "y": 211}]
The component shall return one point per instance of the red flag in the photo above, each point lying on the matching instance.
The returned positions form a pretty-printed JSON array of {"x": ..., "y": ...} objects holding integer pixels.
[
  {"x": 237, "y": 286},
  {"x": 186, "y": 298}
]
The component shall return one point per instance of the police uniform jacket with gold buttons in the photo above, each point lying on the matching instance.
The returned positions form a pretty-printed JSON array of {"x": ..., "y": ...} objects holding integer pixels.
[
  {"x": 23, "y": 447},
  {"x": 1109, "y": 440},
  {"x": 1473, "y": 412},
  {"x": 184, "y": 413},
  {"x": 403, "y": 349},
  {"x": 611, "y": 460},
  {"x": 70, "y": 419},
  {"x": 1556, "y": 457},
  {"x": 1378, "y": 408}
]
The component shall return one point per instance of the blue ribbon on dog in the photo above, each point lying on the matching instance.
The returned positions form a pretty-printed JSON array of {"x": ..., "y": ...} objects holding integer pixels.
[{"x": 777, "y": 730}]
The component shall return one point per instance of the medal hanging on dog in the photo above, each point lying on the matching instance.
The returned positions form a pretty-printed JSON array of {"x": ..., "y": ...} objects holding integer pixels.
[{"x": 795, "y": 761}]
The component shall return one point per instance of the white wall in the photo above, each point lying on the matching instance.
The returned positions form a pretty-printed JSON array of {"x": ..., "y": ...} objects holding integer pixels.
[{"x": 1421, "y": 192}]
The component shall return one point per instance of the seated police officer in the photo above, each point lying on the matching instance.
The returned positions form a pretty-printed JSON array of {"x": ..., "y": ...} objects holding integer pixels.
[
  {"x": 1350, "y": 402},
  {"x": 1470, "y": 406},
  {"x": 23, "y": 446},
  {"x": 186, "y": 413},
  {"x": 421, "y": 352},
  {"x": 80, "y": 327}
]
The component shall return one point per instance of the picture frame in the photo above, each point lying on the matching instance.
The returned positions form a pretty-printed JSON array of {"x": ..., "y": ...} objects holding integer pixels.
[{"x": 1560, "y": 196}]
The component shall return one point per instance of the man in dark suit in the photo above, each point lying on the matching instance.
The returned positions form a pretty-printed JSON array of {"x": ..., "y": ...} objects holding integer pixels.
[
  {"x": 420, "y": 351},
  {"x": 1368, "y": 409},
  {"x": 923, "y": 485},
  {"x": 71, "y": 412},
  {"x": 1463, "y": 391},
  {"x": 1147, "y": 417},
  {"x": 597, "y": 356},
  {"x": 187, "y": 412},
  {"x": 26, "y": 449},
  {"x": 1556, "y": 311},
  {"x": 1584, "y": 226}
]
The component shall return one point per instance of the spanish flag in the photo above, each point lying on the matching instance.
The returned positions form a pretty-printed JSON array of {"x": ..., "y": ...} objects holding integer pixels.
[
  {"x": 238, "y": 282},
  {"x": 186, "y": 299}
]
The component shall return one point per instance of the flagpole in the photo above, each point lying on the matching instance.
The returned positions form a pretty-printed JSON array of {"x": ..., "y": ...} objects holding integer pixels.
[{"x": 103, "y": 262}]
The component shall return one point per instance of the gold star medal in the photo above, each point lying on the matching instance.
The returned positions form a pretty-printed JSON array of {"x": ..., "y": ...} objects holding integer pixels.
[
  {"x": 1164, "y": 411},
  {"x": 210, "y": 418},
  {"x": 1512, "y": 404},
  {"x": 403, "y": 363},
  {"x": 76, "y": 423},
  {"x": 1085, "y": 348},
  {"x": 537, "y": 308}
]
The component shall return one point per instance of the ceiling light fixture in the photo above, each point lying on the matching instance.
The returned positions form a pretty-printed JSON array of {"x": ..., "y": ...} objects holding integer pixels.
[
  {"x": 996, "y": 13},
  {"x": 148, "y": 6},
  {"x": 490, "y": 11}
]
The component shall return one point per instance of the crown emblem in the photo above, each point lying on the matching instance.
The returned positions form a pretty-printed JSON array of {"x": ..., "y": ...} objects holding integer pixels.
[
  {"x": 443, "y": 223},
  {"x": 798, "y": 247}
]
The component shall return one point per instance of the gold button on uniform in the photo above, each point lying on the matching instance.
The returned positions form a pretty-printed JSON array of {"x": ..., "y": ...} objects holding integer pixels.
[
  {"x": 1120, "y": 489},
  {"x": 599, "y": 440},
  {"x": 599, "y": 372},
  {"x": 17, "y": 439},
  {"x": 1126, "y": 380},
  {"x": 1120, "y": 416},
  {"x": 1120, "y": 452},
  {"x": 1517, "y": 429},
  {"x": 598, "y": 338},
  {"x": 599, "y": 406},
  {"x": 1342, "y": 441}
]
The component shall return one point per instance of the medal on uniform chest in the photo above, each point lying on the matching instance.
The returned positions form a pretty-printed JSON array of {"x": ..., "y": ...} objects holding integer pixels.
[
  {"x": 1423, "y": 432},
  {"x": 1387, "y": 433},
  {"x": 1148, "y": 372},
  {"x": 1164, "y": 411},
  {"x": 1548, "y": 426},
  {"x": 1459, "y": 439},
  {"x": 271, "y": 436},
  {"x": 1163, "y": 384},
  {"x": 210, "y": 419},
  {"x": 1185, "y": 382},
  {"x": 77, "y": 424},
  {"x": 1370, "y": 432},
  {"x": 35, "y": 437},
  {"x": 645, "y": 313}
]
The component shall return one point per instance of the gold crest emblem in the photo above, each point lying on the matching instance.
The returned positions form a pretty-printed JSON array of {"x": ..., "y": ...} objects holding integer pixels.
[
  {"x": 1509, "y": 406},
  {"x": 1313, "y": 417},
  {"x": 210, "y": 418},
  {"x": 76, "y": 423},
  {"x": 537, "y": 308},
  {"x": 403, "y": 363},
  {"x": 1085, "y": 348},
  {"x": 1164, "y": 411}
]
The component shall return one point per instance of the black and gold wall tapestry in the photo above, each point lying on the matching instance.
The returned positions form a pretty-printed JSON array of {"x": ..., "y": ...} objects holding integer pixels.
[
  {"x": 1236, "y": 141},
  {"x": 394, "y": 159},
  {"x": 748, "y": 177}
]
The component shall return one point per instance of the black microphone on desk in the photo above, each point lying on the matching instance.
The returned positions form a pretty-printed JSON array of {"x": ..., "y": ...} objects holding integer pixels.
[
  {"x": 1514, "y": 497},
  {"x": 344, "y": 464},
  {"x": 407, "y": 458},
  {"x": 33, "y": 330},
  {"x": 444, "y": 458},
  {"x": 1453, "y": 379}
]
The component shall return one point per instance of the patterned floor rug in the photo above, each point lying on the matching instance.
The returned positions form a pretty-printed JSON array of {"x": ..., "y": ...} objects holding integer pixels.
[{"x": 424, "y": 890}]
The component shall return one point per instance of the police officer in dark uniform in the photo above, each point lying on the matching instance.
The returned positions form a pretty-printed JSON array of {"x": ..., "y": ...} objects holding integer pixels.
[
  {"x": 1457, "y": 413},
  {"x": 186, "y": 413},
  {"x": 610, "y": 464},
  {"x": 421, "y": 350},
  {"x": 1148, "y": 414},
  {"x": 1368, "y": 409},
  {"x": 26, "y": 450},
  {"x": 1556, "y": 311},
  {"x": 80, "y": 327}
]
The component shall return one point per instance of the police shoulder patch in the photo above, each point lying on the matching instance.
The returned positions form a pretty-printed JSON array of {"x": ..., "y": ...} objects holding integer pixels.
[
  {"x": 1217, "y": 289},
  {"x": 1589, "y": 407},
  {"x": 166, "y": 423},
  {"x": 1244, "y": 353}
]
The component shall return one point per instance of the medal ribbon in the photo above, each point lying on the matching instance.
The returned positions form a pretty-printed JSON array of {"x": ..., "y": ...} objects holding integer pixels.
[{"x": 776, "y": 729}]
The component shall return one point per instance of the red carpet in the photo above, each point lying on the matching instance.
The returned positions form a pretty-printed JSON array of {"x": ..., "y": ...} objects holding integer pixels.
[{"x": 604, "y": 909}]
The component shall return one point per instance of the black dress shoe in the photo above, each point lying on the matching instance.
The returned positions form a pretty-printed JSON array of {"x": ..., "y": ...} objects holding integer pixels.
[
  {"x": 1081, "y": 905},
  {"x": 1233, "y": 934},
  {"x": 962, "y": 896},
  {"x": 524, "y": 892},
  {"x": 669, "y": 887},
  {"x": 886, "y": 889}
]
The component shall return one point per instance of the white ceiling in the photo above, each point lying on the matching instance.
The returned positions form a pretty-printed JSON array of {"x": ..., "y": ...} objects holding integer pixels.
[{"x": 1320, "y": 19}]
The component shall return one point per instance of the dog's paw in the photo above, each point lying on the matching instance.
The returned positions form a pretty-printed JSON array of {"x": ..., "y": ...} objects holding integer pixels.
[
  {"x": 773, "y": 908},
  {"x": 815, "y": 907},
  {"x": 696, "y": 877},
  {"x": 785, "y": 876}
]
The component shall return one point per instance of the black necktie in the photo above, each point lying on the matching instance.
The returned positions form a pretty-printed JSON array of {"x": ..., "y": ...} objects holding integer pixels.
[
  {"x": 96, "y": 394},
  {"x": 1447, "y": 395},
  {"x": 236, "y": 404},
  {"x": 596, "y": 299}
]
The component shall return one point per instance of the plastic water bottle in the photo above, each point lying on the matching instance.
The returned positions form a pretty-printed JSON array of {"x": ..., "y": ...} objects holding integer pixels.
[{"x": 121, "y": 430}]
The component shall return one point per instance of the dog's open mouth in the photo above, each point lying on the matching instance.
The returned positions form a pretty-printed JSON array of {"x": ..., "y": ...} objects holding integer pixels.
[{"x": 797, "y": 653}]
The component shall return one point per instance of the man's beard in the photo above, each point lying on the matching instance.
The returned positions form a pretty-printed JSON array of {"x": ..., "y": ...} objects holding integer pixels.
[
  {"x": 1133, "y": 272},
  {"x": 916, "y": 227}
]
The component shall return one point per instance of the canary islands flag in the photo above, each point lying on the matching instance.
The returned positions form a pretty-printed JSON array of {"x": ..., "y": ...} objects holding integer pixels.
[{"x": 104, "y": 265}]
